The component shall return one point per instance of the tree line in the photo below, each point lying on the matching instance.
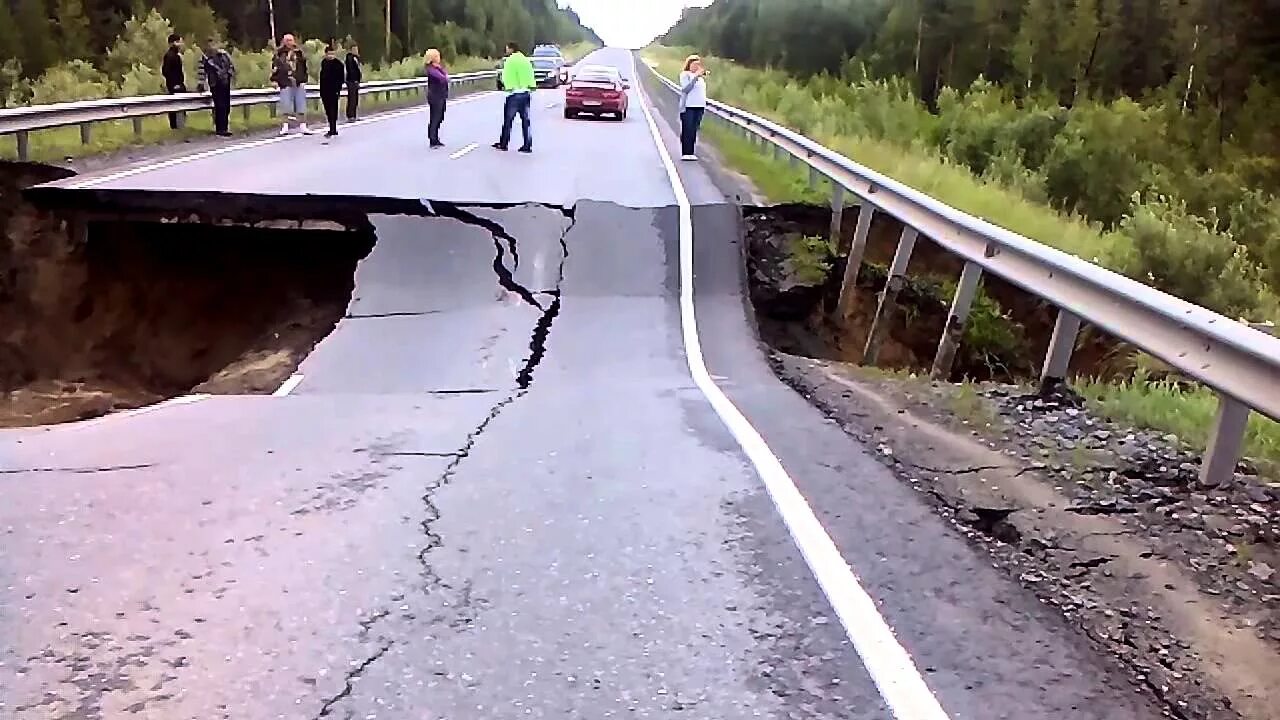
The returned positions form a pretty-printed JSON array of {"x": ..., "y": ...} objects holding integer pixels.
[
  {"x": 1153, "y": 120},
  {"x": 1204, "y": 52},
  {"x": 36, "y": 35}
]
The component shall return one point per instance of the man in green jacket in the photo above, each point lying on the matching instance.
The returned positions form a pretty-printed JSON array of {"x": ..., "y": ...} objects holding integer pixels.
[{"x": 517, "y": 80}]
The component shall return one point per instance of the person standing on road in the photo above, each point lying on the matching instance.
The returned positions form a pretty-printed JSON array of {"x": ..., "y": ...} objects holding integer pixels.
[
  {"x": 355, "y": 74},
  {"x": 517, "y": 79},
  {"x": 289, "y": 73},
  {"x": 437, "y": 96},
  {"x": 332, "y": 78},
  {"x": 175, "y": 78},
  {"x": 693, "y": 103},
  {"x": 216, "y": 73}
]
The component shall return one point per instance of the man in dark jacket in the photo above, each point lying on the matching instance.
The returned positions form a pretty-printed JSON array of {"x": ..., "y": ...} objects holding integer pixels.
[
  {"x": 216, "y": 74},
  {"x": 175, "y": 80},
  {"x": 289, "y": 73},
  {"x": 355, "y": 74},
  {"x": 332, "y": 77}
]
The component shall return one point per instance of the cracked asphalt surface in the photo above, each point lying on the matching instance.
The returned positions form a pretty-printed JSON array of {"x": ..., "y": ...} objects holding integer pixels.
[{"x": 496, "y": 492}]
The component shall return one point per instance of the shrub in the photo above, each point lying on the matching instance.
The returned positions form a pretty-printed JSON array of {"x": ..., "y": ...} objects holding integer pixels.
[
  {"x": 74, "y": 80},
  {"x": 143, "y": 42},
  {"x": 1190, "y": 257},
  {"x": 1102, "y": 157},
  {"x": 140, "y": 80}
]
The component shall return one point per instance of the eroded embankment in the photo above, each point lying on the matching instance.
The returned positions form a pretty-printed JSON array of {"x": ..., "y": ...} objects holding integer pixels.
[
  {"x": 102, "y": 313},
  {"x": 1175, "y": 579},
  {"x": 795, "y": 274}
]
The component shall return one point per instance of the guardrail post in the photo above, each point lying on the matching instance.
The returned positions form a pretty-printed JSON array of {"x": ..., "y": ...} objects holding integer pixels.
[
  {"x": 245, "y": 111},
  {"x": 24, "y": 145},
  {"x": 953, "y": 332},
  {"x": 837, "y": 214},
  {"x": 813, "y": 178},
  {"x": 86, "y": 134},
  {"x": 887, "y": 310},
  {"x": 1225, "y": 442},
  {"x": 1061, "y": 345},
  {"x": 137, "y": 128},
  {"x": 849, "y": 284},
  {"x": 271, "y": 109}
]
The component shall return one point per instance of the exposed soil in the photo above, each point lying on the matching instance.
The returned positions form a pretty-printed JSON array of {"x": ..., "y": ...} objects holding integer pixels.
[
  {"x": 109, "y": 314},
  {"x": 801, "y": 321},
  {"x": 1178, "y": 582}
]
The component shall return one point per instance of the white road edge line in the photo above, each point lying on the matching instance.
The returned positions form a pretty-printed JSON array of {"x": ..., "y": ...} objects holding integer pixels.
[
  {"x": 464, "y": 151},
  {"x": 98, "y": 180},
  {"x": 890, "y": 666},
  {"x": 288, "y": 386},
  {"x": 94, "y": 422}
]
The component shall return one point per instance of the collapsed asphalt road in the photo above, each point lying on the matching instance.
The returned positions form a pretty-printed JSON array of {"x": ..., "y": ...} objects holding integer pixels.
[{"x": 494, "y": 491}]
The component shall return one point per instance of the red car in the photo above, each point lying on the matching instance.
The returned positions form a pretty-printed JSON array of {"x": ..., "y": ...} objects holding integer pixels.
[{"x": 596, "y": 90}]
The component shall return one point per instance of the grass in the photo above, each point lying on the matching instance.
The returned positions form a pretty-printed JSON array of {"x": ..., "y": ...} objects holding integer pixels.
[
  {"x": 1169, "y": 406},
  {"x": 59, "y": 144},
  {"x": 917, "y": 167}
]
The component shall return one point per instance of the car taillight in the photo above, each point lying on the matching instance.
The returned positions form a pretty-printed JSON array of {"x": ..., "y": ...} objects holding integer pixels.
[{"x": 610, "y": 94}]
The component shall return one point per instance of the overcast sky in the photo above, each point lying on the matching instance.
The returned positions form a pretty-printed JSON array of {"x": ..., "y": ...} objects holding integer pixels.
[{"x": 630, "y": 23}]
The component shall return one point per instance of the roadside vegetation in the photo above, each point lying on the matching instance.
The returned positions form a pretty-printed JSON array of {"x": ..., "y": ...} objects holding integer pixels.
[
  {"x": 47, "y": 55},
  {"x": 1162, "y": 167}
]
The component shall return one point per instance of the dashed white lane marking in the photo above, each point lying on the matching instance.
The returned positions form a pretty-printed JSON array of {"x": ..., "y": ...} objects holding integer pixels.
[
  {"x": 464, "y": 151},
  {"x": 890, "y": 666},
  {"x": 92, "y": 181},
  {"x": 288, "y": 386}
]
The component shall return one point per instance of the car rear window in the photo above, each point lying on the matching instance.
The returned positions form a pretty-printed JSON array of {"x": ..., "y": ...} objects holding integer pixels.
[{"x": 596, "y": 82}]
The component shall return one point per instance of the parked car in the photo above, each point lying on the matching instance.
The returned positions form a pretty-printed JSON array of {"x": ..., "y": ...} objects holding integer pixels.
[
  {"x": 597, "y": 90},
  {"x": 548, "y": 70}
]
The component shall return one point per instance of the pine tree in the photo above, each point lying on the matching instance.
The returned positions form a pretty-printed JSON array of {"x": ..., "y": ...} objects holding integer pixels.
[
  {"x": 39, "y": 52},
  {"x": 10, "y": 46},
  {"x": 73, "y": 31}
]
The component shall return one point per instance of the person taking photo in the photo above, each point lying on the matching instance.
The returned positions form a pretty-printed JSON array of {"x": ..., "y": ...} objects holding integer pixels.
[
  {"x": 289, "y": 73},
  {"x": 216, "y": 74},
  {"x": 693, "y": 103},
  {"x": 437, "y": 96}
]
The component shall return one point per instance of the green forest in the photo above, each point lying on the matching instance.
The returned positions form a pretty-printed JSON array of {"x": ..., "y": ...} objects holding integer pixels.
[
  {"x": 1142, "y": 134},
  {"x": 106, "y": 46}
]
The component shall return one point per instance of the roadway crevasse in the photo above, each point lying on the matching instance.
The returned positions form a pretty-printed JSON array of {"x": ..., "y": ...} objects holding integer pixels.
[{"x": 455, "y": 605}]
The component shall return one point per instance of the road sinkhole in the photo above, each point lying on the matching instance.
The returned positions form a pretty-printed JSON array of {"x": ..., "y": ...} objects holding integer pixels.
[{"x": 114, "y": 301}]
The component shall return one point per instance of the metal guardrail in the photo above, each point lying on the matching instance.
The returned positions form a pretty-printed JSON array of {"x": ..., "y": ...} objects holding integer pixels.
[
  {"x": 21, "y": 121},
  {"x": 1240, "y": 362}
]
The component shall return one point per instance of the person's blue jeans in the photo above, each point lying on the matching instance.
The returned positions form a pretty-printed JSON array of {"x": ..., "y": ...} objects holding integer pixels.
[
  {"x": 690, "y": 121},
  {"x": 516, "y": 104}
]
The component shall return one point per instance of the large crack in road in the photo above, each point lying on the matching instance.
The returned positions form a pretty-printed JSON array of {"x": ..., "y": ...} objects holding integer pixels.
[{"x": 432, "y": 585}]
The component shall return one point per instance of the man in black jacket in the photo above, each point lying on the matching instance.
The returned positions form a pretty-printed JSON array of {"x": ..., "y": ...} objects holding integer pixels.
[
  {"x": 354, "y": 75},
  {"x": 175, "y": 80},
  {"x": 216, "y": 73},
  {"x": 332, "y": 77}
]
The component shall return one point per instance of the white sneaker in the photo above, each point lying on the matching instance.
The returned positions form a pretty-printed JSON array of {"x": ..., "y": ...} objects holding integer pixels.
[
  {"x": 692, "y": 158},
  {"x": 284, "y": 129},
  {"x": 306, "y": 130}
]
